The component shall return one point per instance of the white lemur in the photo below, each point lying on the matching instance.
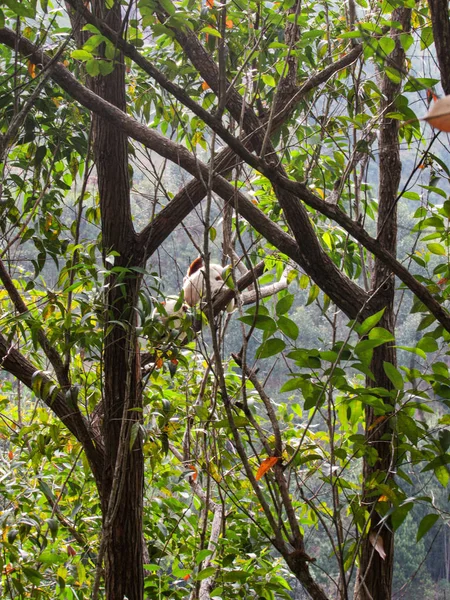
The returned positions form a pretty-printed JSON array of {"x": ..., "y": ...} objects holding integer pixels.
[{"x": 194, "y": 285}]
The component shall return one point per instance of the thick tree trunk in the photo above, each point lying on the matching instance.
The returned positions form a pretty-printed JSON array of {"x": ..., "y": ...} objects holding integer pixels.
[
  {"x": 122, "y": 485},
  {"x": 374, "y": 580}
]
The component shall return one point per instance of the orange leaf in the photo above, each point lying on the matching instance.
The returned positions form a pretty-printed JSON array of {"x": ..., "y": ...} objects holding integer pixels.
[
  {"x": 266, "y": 464},
  {"x": 229, "y": 24},
  {"x": 10, "y": 455},
  {"x": 195, "y": 473},
  {"x": 205, "y": 86},
  {"x": 159, "y": 363},
  {"x": 186, "y": 577},
  {"x": 32, "y": 69},
  {"x": 174, "y": 361},
  {"x": 376, "y": 422},
  {"x": 383, "y": 499},
  {"x": 442, "y": 281},
  {"x": 209, "y": 3},
  {"x": 70, "y": 550}
]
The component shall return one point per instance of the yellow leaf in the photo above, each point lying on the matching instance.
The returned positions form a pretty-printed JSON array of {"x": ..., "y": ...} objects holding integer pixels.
[
  {"x": 266, "y": 464},
  {"x": 32, "y": 69}
]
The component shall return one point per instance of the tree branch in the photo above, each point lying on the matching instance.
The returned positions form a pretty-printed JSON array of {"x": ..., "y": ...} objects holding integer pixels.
[
  {"x": 15, "y": 363},
  {"x": 180, "y": 155}
]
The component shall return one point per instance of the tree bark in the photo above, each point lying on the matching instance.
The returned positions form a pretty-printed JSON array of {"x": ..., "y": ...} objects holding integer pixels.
[
  {"x": 441, "y": 33},
  {"x": 122, "y": 483},
  {"x": 374, "y": 581}
]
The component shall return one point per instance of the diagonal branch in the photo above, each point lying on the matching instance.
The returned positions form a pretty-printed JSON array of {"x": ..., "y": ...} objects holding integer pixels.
[
  {"x": 50, "y": 352},
  {"x": 15, "y": 363},
  {"x": 350, "y": 295}
]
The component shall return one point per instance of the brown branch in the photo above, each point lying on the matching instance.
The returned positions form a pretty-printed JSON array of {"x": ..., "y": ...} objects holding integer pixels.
[
  {"x": 371, "y": 244},
  {"x": 15, "y": 363},
  {"x": 346, "y": 297},
  {"x": 50, "y": 352}
]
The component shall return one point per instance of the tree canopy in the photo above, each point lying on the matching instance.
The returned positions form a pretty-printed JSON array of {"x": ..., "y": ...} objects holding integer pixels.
[{"x": 272, "y": 421}]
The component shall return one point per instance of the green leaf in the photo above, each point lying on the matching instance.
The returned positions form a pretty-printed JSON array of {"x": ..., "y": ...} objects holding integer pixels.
[
  {"x": 386, "y": 44},
  {"x": 230, "y": 576},
  {"x": 83, "y": 55},
  {"x": 419, "y": 83},
  {"x": 269, "y": 80},
  {"x": 314, "y": 291},
  {"x": 93, "y": 67},
  {"x": 211, "y": 31},
  {"x": 32, "y": 575},
  {"x": 413, "y": 350},
  {"x": 22, "y": 8},
  {"x": 406, "y": 40},
  {"x": 288, "y": 327},
  {"x": 428, "y": 344},
  {"x": 260, "y": 322},
  {"x": 134, "y": 432},
  {"x": 426, "y": 322},
  {"x": 53, "y": 525},
  {"x": 270, "y": 348},
  {"x": 426, "y": 524},
  {"x": 292, "y": 384},
  {"x": 284, "y": 304},
  {"x": 167, "y": 6},
  {"x": 94, "y": 42},
  {"x": 409, "y": 427},
  {"x": 381, "y": 335},
  {"x": 439, "y": 461},
  {"x": 442, "y": 475},
  {"x": 426, "y": 37},
  {"x": 394, "y": 375},
  {"x": 205, "y": 573},
  {"x": 436, "y": 248},
  {"x": 201, "y": 555},
  {"x": 106, "y": 67},
  {"x": 370, "y": 322},
  {"x": 393, "y": 74}
]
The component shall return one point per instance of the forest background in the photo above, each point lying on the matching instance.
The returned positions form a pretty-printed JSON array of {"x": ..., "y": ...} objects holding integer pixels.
[{"x": 298, "y": 446}]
